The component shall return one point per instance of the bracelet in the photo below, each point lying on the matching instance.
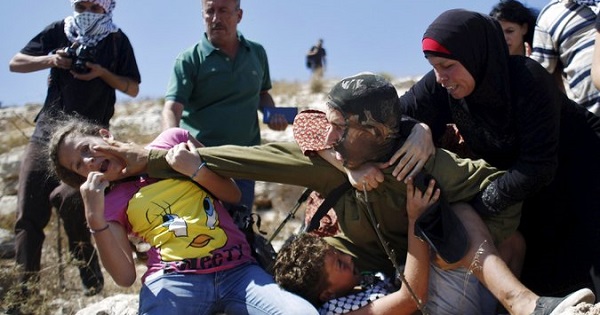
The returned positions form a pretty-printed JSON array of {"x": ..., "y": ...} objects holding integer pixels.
[
  {"x": 99, "y": 230},
  {"x": 203, "y": 164}
]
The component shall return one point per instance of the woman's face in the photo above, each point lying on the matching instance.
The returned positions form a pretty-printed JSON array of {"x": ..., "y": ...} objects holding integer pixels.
[
  {"x": 513, "y": 34},
  {"x": 453, "y": 76},
  {"x": 76, "y": 153}
]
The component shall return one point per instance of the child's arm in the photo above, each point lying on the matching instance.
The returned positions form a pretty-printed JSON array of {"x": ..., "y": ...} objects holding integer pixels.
[
  {"x": 110, "y": 237},
  {"x": 416, "y": 270},
  {"x": 185, "y": 159}
]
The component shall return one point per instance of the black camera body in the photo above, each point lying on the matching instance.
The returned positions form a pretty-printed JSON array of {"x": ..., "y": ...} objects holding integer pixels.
[{"x": 80, "y": 55}]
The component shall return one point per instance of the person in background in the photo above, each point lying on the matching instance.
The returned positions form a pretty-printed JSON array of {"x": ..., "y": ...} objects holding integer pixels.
[
  {"x": 316, "y": 60},
  {"x": 200, "y": 261},
  {"x": 596, "y": 59},
  {"x": 518, "y": 24},
  {"x": 563, "y": 43},
  {"x": 218, "y": 85},
  {"x": 89, "y": 58}
]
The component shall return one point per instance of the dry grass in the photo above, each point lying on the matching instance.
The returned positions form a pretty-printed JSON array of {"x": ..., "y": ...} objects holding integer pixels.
[{"x": 59, "y": 290}]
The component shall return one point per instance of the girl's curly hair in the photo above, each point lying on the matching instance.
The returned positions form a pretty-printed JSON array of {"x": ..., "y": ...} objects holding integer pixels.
[{"x": 63, "y": 127}]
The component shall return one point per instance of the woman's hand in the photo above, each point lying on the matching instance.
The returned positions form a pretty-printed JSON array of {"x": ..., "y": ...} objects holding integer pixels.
[
  {"x": 184, "y": 158},
  {"x": 414, "y": 153},
  {"x": 417, "y": 201}
]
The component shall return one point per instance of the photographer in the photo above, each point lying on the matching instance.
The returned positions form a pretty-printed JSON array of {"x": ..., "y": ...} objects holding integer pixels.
[{"x": 89, "y": 58}]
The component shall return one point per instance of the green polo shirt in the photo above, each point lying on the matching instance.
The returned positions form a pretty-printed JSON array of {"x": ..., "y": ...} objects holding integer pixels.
[{"x": 220, "y": 95}]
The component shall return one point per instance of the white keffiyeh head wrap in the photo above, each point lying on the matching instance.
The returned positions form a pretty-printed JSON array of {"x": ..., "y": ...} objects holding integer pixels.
[{"x": 88, "y": 28}]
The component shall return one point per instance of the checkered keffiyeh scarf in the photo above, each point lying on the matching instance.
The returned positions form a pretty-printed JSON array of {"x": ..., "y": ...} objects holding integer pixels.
[
  {"x": 89, "y": 28},
  {"x": 355, "y": 301}
]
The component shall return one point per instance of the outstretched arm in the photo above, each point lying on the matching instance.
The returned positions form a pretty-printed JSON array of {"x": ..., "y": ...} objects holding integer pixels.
[{"x": 281, "y": 162}]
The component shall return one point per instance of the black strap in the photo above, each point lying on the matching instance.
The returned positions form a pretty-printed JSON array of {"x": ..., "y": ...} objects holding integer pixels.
[{"x": 327, "y": 204}]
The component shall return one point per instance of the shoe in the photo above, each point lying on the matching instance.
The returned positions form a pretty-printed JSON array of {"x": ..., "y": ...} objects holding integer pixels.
[
  {"x": 90, "y": 271},
  {"x": 556, "y": 305},
  {"x": 91, "y": 278},
  {"x": 93, "y": 282},
  {"x": 91, "y": 291}
]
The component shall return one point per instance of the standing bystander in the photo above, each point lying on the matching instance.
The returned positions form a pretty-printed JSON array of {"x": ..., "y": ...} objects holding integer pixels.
[
  {"x": 315, "y": 60},
  {"x": 218, "y": 85},
  {"x": 518, "y": 24},
  {"x": 563, "y": 43},
  {"x": 89, "y": 58}
]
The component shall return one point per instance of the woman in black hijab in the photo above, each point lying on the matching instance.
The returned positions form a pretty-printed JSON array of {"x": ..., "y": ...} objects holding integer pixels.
[{"x": 510, "y": 113}]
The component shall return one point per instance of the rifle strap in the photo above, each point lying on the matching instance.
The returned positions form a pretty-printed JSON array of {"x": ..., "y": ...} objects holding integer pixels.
[{"x": 331, "y": 199}]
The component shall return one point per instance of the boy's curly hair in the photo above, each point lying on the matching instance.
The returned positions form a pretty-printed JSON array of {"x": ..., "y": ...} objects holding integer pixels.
[
  {"x": 300, "y": 267},
  {"x": 61, "y": 130}
]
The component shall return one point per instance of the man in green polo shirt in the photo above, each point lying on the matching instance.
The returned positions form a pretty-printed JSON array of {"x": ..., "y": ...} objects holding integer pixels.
[{"x": 218, "y": 84}]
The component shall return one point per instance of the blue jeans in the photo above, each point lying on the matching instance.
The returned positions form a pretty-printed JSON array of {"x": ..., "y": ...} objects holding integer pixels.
[
  {"x": 458, "y": 292},
  {"x": 246, "y": 289}
]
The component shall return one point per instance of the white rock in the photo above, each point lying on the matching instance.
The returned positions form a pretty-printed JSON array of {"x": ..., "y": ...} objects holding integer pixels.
[{"x": 120, "y": 304}]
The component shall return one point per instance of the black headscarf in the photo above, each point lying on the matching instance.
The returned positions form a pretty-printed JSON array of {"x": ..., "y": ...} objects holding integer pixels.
[{"x": 477, "y": 42}]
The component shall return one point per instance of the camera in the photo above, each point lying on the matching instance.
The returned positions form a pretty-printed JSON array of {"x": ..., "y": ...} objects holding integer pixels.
[{"x": 80, "y": 54}]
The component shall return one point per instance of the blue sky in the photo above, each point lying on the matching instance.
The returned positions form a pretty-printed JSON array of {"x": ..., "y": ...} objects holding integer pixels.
[{"x": 359, "y": 35}]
